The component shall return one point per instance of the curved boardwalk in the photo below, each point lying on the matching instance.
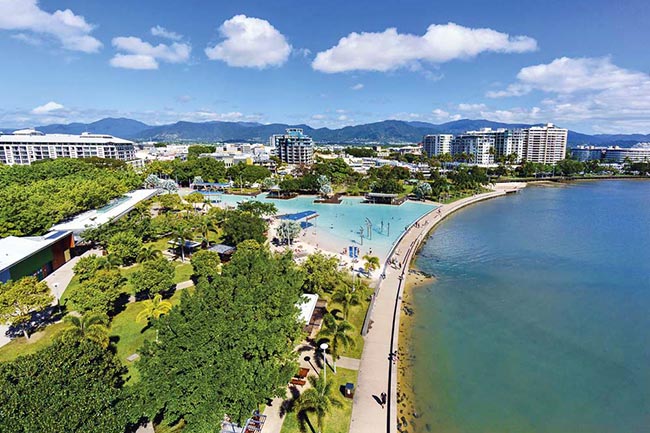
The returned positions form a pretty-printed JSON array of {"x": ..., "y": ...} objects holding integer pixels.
[{"x": 377, "y": 374}]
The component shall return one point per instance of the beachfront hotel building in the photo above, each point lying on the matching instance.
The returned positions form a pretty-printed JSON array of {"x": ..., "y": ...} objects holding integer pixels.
[
  {"x": 294, "y": 147},
  {"x": 28, "y": 145},
  {"x": 437, "y": 144},
  {"x": 544, "y": 144}
]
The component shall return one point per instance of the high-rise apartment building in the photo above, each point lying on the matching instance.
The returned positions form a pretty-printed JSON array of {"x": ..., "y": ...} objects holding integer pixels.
[
  {"x": 477, "y": 145},
  {"x": 545, "y": 144},
  {"x": 26, "y": 146},
  {"x": 294, "y": 147},
  {"x": 437, "y": 144}
]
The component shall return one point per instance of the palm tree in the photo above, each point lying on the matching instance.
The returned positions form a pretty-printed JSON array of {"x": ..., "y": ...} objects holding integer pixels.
[
  {"x": 153, "y": 308},
  {"x": 347, "y": 296},
  {"x": 148, "y": 253},
  {"x": 110, "y": 261},
  {"x": 338, "y": 334},
  {"x": 181, "y": 234},
  {"x": 372, "y": 263},
  {"x": 91, "y": 325},
  {"x": 317, "y": 399}
]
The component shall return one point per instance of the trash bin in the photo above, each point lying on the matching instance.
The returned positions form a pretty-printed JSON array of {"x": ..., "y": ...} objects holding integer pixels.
[{"x": 349, "y": 390}]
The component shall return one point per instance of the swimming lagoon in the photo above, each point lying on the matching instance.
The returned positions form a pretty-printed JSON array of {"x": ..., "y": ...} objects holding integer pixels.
[{"x": 338, "y": 225}]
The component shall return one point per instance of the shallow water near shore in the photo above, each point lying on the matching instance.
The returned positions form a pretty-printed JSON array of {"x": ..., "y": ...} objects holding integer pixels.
[
  {"x": 337, "y": 225},
  {"x": 539, "y": 318}
]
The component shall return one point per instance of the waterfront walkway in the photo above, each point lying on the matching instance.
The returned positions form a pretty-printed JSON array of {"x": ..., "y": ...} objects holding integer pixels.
[{"x": 377, "y": 373}]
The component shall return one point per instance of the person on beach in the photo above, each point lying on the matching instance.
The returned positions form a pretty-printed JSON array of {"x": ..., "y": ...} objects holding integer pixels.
[{"x": 384, "y": 397}]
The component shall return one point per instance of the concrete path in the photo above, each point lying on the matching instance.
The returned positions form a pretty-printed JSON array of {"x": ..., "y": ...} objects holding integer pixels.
[
  {"x": 349, "y": 363},
  {"x": 59, "y": 280},
  {"x": 184, "y": 284},
  {"x": 377, "y": 373}
]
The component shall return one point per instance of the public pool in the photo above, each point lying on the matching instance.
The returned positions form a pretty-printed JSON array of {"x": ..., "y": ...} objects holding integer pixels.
[{"x": 338, "y": 225}]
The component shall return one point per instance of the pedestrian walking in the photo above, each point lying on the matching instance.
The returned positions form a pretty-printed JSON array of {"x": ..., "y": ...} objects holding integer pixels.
[{"x": 384, "y": 397}]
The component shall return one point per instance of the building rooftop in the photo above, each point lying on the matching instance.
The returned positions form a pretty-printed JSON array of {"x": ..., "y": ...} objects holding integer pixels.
[
  {"x": 33, "y": 136},
  {"x": 308, "y": 307},
  {"x": 14, "y": 249},
  {"x": 117, "y": 208}
]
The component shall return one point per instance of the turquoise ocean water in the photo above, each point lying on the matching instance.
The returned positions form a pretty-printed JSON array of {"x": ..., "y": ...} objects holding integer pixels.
[{"x": 539, "y": 320}]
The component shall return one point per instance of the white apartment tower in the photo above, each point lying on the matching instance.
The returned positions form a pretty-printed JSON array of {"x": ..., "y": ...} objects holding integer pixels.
[
  {"x": 478, "y": 145},
  {"x": 437, "y": 144},
  {"x": 545, "y": 144},
  {"x": 294, "y": 147},
  {"x": 26, "y": 146}
]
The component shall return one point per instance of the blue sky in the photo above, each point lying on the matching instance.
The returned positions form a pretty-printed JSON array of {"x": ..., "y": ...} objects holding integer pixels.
[{"x": 580, "y": 64}]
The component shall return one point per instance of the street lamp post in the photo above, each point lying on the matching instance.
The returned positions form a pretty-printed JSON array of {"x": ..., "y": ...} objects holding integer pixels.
[{"x": 324, "y": 347}]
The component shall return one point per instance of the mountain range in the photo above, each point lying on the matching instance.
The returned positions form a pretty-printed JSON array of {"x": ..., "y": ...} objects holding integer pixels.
[{"x": 387, "y": 131}]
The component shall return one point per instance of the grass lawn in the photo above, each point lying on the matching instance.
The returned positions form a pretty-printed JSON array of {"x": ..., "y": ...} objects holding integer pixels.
[
  {"x": 338, "y": 421},
  {"x": 131, "y": 335},
  {"x": 183, "y": 271},
  {"x": 22, "y": 346},
  {"x": 356, "y": 315},
  {"x": 72, "y": 287}
]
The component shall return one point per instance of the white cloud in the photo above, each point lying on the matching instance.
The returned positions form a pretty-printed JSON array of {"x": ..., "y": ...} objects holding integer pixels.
[
  {"x": 133, "y": 61},
  {"x": 47, "y": 108},
  {"x": 183, "y": 98},
  {"x": 72, "y": 31},
  {"x": 444, "y": 116},
  {"x": 342, "y": 118},
  {"x": 143, "y": 55},
  {"x": 251, "y": 43},
  {"x": 570, "y": 75},
  {"x": 28, "y": 39},
  {"x": 587, "y": 90},
  {"x": 441, "y": 43},
  {"x": 357, "y": 86},
  {"x": 319, "y": 117},
  {"x": 471, "y": 107},
  {"x": 164, "y": 33}
]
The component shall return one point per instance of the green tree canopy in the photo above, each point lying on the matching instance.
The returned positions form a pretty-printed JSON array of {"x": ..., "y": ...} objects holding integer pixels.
[
  {"x": 98, "y": 293},
  {"x": 34, "y": 197},
  {"x": 206, "y": 264},
  {"x": 229, "y": 346},
  {"x": 321, "y": 273},
  {"x": 73, "y": 385},
  {"x": 155, "y": 276},
  {"x": 125, "y": 245},
  {"x": 20, "y": 299},
  {"x": 258, "y": 208},
  {"x": 240, "y": 226}
]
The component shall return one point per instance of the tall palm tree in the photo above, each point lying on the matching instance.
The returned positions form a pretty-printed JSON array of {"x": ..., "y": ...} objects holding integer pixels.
[
  {"x": 153, "y": 308},
  {"x": 372, "y": 263},
  {"x": 181, "y": 234},
  {"x": 206, "y": 223},
  {"x": 347, "y": 296},
  {"x": 92, "y": 326},
  {"x": 318, "y": 399},
  {"x": 338, "y": 333},
  {"x": 148, "y": 253}
]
